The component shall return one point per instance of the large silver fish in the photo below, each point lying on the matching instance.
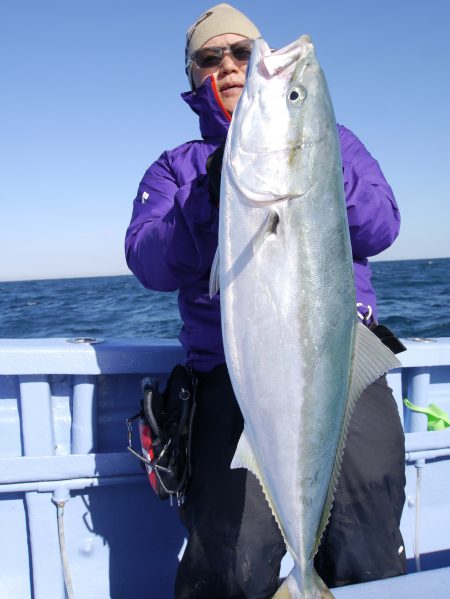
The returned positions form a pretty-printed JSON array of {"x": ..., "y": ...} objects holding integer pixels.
[{"x": 298, "y": 359}]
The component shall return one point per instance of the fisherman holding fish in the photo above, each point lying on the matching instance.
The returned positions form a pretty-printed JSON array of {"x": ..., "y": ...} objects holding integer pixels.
[{"x": 235, "y": 544}]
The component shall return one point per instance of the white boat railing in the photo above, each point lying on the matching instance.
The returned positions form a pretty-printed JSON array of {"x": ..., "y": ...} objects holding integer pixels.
[{"x": 63, "y": 406}]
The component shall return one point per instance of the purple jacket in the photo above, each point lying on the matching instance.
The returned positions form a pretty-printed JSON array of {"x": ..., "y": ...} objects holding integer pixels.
[{"x": 172, "y": 237}]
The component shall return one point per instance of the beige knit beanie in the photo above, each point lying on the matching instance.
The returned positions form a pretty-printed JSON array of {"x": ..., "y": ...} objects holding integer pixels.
[{"x": 218, "y": 20}]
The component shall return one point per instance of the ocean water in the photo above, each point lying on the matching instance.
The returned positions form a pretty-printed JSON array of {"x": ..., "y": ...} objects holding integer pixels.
[{"x": 413, "y": 300}]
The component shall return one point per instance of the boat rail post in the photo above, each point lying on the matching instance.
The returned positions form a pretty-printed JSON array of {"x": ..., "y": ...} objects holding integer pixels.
[
  {"x": 37, "y": 430},
  {"x": 418, "y": 388},
  {"x": 418, "y": 391},
  {"x": 84, "y": 422}
]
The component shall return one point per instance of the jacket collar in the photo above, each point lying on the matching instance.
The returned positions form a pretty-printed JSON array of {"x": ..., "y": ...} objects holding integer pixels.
[{"x": 205, "y": 101}]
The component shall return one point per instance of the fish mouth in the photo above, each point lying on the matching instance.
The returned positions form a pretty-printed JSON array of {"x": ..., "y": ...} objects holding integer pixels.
[{"x": 281, "y": 59}]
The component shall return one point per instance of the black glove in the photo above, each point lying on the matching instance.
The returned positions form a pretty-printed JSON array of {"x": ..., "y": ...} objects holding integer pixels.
[
  {"x": 387, "y": 337},
  {"x": 214, "y": 171}
]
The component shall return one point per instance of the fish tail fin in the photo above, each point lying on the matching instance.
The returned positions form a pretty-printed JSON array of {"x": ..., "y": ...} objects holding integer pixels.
[
  {"x": 314, "y": 588},
  {"x": 283, "y": 592}
]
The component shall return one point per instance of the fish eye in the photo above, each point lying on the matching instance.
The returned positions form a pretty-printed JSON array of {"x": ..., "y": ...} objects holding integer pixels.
[{"x": 297, "y": 95}]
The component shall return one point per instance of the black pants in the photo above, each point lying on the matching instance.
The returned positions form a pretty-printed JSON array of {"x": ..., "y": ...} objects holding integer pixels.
[{"x": 235, "y": 547}]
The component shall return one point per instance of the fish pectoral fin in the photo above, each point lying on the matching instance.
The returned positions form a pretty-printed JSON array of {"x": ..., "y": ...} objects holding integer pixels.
[
  {"x": 269, "y": 227},
  {"x": 372, "y": 359},
  {"x": 214, "y": 280}
]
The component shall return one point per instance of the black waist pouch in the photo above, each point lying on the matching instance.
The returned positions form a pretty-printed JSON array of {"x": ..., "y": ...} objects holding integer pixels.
[{"x": 165, "y": 423}]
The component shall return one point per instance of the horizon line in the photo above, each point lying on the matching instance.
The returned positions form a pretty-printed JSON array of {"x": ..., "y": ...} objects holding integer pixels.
[{"x": 129, "y": 273}]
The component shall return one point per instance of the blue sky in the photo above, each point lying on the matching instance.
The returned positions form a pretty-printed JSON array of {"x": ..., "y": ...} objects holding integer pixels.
[{"x": 90, "y": 97}]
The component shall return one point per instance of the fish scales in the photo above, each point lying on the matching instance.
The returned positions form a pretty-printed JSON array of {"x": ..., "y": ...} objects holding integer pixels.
[{"x": 288, "y": 298}]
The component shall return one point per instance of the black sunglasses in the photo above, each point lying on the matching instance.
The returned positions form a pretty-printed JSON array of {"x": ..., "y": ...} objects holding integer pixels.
[{"x": 212, "y": 56}]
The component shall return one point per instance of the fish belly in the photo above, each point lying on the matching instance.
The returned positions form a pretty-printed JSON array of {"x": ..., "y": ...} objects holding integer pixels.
[{"x": 287, "y": 323}]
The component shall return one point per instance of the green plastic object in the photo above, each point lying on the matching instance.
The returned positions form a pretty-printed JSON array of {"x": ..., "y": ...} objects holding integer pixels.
[{"x": 438, "y": 419}]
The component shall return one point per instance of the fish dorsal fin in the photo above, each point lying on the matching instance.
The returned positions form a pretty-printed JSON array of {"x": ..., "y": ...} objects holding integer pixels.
[
  {"x": 244, "y": 457},
  {"x": 371, "y": 360},
  {"x": 214, "y": 280}
]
